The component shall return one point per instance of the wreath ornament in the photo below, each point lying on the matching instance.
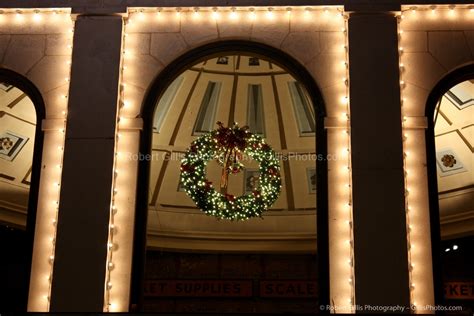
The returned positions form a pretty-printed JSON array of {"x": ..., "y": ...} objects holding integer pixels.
[{"x": 229, "y": 145}]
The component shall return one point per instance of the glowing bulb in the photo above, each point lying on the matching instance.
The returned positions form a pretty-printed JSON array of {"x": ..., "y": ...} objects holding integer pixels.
[
  {"x": 37, "y": 16},
  {"x": 307, "y": 13},
  {"x": 270, "y": 14},
  {"x": 233, "y": 14},
  {"x": 196, "y": 13},
  {"x": 215, "y": 14},
  {"x": 19, "y": 16},
  {"x": 252, "y": 14}
]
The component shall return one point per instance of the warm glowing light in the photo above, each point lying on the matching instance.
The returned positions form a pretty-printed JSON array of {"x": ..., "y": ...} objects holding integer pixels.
[
  {"x": 233, "y": 14},
  {"x": 341, "y": 209},
  {"x": 270, "y": 14},
  {"x": 307, "y": 13},
  {"x": 252, "y": 14},
  {"x": 158, "y": 14},
  {"x": 37, "y": 16},
  {"x": 215, "y": 14},
  {"x": 19, "y": 16}
]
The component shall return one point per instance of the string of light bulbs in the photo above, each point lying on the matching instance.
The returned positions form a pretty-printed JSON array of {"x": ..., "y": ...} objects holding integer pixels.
[
  {"x": 139, "y": 18},
  {"x": 231, "y": 13},
  {"x": 414, "y": 123},
  {"x": 351, "y": 280},
  {"x": 54, "y": 128}
]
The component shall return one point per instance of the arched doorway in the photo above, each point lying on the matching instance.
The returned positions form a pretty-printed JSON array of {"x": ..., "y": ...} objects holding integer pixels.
[
  {"x": 21, "y": 141},
  {"x": 254, "y": 85},
  {"x": 450, "y": 157}
]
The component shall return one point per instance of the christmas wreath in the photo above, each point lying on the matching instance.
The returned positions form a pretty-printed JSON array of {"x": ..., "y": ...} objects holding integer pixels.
[{"x": 229, "y": 145}]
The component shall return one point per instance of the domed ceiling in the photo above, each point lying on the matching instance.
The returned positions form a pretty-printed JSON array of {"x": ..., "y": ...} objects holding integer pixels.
[
  {"x": 17, "y": 135},
  {"x": 454, "y": 136},
  {"x": 250, "y": 91}
]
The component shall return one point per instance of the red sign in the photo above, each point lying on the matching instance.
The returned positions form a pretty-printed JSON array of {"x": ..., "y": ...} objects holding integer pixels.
[
  {"x": 285, "y": 288},
  {"x": 459, "y": 290},
  {"x": 198, "y": 288}
]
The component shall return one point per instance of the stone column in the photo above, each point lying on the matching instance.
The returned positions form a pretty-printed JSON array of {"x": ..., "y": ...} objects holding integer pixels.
[
  {"x": 380, "y": 240},
  {"x": 82, "y": 231}
]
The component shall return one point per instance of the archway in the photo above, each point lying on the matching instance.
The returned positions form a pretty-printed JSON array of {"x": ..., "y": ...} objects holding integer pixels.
[
  {"x": 21, "y": 113},
  {"x": 222, "y": 55},
  {"x": 450, "y": 159}
]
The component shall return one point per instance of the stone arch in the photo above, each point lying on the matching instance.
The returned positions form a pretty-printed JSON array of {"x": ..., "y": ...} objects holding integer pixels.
[{"x": 158, "y": 87}]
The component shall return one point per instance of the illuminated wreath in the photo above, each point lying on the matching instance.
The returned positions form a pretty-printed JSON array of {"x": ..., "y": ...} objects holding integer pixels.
[{"x": 228, "y": 145}]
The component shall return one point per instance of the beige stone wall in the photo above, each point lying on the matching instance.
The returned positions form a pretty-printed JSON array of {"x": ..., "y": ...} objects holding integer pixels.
[
  {"x": 432, "y": 43},
  {"x": 39, "y": 49},
  {"x": 38, "y": 45},
  {"x": 155, "y": 41},
  {"x": 317, "y": 39}
]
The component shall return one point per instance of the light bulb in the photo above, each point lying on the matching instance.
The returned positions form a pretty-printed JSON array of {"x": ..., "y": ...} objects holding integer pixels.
[
  {"x": 233, "y": 14},
  {"x": 37, "y": 16},
  {"x": 270, "y": 14},
  {"x": 215, "y": 14}
]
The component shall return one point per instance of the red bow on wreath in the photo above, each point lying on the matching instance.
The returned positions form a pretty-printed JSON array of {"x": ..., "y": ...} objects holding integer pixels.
[{"x": 231, "y": 141}]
